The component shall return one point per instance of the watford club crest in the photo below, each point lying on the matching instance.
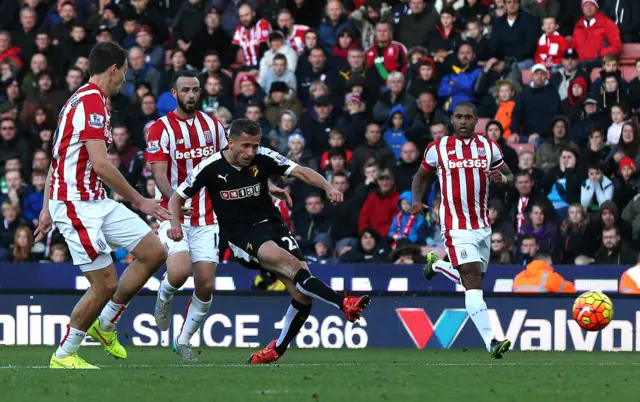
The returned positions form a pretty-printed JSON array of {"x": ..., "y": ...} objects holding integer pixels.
[
  {"x": 249, "y": 247},
  {"x": 253, "y": 170}
]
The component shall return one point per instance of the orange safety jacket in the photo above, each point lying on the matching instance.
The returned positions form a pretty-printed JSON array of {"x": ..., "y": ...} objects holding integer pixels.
[
  {"x": 539, "y": 277},
  {"x": 630, "y": 281}
]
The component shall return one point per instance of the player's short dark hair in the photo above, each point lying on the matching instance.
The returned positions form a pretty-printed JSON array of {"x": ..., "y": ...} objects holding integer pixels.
[
  {"x": 181, "y": 74},
  {"x": 246, "y": 126},
  {"x": 279, "y": 56},
  {"x": 470, "y": 105},
  {"x": 104, "y": 55},
  {"x": 529, "y": 236}
]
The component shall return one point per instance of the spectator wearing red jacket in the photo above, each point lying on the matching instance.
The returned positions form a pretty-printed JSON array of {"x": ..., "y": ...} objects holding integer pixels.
[
  {"x": 7, "y": 51},
  {"x": 381, "y": 206},
  {"x": 591, "y": 33},
  {"x": 551, "y": 45}
]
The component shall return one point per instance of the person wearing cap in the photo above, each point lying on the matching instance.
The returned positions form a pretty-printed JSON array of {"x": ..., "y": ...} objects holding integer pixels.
[
  {"x": 627, "y": 183},
  {"x": 515, "y": 34},
  {"x": 626, "y": 14},
  {"x": 278, "y": 71},
  {"x": 250, "y": 93},
  {"x": 278, "y": 45},
  {"x": 591, "y": 116},
  {"x": 425, "y": 80},
  {"x": 153, "y": 55},
  {"x": 595, "y": 35},
  {"x": 103, "y": 34},
  {"x": 318, "y": 125},
  {"x": 280, "y": 98},
  {"x": 536, "y": 108},
  {"x": 577, "y": 92},
  {"x": 322, "y": 250},
  {"x": 381, "y": 206}
]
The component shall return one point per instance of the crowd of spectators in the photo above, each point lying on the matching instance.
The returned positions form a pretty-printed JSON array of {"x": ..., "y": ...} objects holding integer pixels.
[{"x": 355, "y": 89}]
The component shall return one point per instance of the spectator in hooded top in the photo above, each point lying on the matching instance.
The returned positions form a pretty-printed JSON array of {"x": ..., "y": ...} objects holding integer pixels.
[
  {"x": 536, "y": 108},
  {"x": 595, "y": 35},
  {"x": 396, "y": 95},
  {"x": 516, "y": 34},
  {"x": 627, "y": 184},
  {"x": 395, "y": 134},
  {"x": 551, "y": 45},
  {"x": 446, "y": 38},
  {"x": 335, "y": 20},
  {"x": 577, "y": 92},
  {"x": 405, "y": 225},
  {"x": 459, "y": 85},
  {"x": 569, "y": 71},
  {"x": 548, "y": 153},
  {"x": 322, "y": 252},
  {"x": 415, "y": 26}
]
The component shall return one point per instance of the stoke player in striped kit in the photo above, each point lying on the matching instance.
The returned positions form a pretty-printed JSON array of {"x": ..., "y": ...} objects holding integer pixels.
[
  {"x": 466, "y": 164},
  {"x": 90, "y": 222},
  {"x": 176, "y": 144}
]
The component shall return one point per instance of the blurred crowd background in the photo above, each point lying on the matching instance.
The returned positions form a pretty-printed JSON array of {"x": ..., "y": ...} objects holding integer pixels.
[{"x": 355, "y": 89}]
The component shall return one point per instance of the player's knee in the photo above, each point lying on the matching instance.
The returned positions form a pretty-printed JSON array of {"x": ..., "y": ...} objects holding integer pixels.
[
  {"x": 204, "y": 288},
  {"x": 471, "y": 281},
  {"x": 107, "y": 287}
]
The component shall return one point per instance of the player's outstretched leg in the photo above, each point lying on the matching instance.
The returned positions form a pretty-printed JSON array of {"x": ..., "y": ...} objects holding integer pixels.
[
  {"x": 150, "y": 255},
  {"x": 197, "y": 309},
  {"x": 435, "y": 265},
  {"x": 471, "y": 277},
  {"x": 279, "y": 261},
  {"x": 103, "y": 285},
  {"x": 294, "y": 319},
  {"x": 178, "y": 271}
]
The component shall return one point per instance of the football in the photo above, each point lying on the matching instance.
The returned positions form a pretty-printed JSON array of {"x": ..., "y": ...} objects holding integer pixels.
[{"x": 593, "y": 310}]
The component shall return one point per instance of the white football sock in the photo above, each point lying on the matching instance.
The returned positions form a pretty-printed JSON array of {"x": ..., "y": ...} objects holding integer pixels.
[
  {"x": 70, "y": 342},
  {"x": 447, "y": 270},
  {"x": 197, "y": 310},
  {"x": 477, "y": 309},
  {"x": 166, "y": 291},
  {"x": 110, "y": 315}
]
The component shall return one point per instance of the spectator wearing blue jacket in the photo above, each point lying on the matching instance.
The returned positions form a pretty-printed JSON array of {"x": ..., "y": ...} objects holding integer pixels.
[
  {"x": 536, "y": 108},
  {"x": 335, "y": 21},
  {"x": 458, "y": 86},
  {"x": 397, "y": 125},
  {"x": 405, "y": 225}
]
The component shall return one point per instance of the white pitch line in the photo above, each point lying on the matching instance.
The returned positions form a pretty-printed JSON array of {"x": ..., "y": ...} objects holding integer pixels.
[{"x": 209, "y": 365}]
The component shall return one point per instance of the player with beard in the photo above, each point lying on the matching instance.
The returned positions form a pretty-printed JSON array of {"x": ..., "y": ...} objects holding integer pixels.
[
  {"x": 466, "y": 163},
  {"x": 176, "y": 144},
  {"x": 235, "y": 180},
  {"x": 251, "y": 35}
]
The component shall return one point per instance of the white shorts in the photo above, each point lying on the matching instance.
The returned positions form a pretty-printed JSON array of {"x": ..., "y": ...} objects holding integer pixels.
[
  {"x": 92, "y": 228},
  {"x": 201, "y": 242},
  {"x": 464, "y": 246}
]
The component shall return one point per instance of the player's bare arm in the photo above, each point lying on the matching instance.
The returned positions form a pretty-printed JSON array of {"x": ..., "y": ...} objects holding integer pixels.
[
  {"x": 176, "y": 204},
  {"x": 418, "y": 188},
  {"x": 280, "y": 194},
  {"x": 312, "y": 177},
  {"x": 109, "y": 174},
  {"x": 502, "y": 176},
  {"x": 159, "y": 173},
  {"x": 45, "y": 223}
]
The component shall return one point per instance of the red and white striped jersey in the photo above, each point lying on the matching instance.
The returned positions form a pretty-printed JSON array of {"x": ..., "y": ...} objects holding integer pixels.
[
  {"x": 84, "y": 117},
  {"x": 183, "y": 144},
  {"x": 463, "y": 169},
  {"x": 250, "y": 39},
  {"x": 296, "y": 39}
]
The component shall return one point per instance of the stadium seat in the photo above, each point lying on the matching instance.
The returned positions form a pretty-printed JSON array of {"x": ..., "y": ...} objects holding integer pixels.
[
  {"x": 482, "y": 125},
  {"x": 630, "y": 53},
  {"x": 523, "y": 147},
  {"x": 526, "y": 77},
  {"x": 629, "y": 72}
]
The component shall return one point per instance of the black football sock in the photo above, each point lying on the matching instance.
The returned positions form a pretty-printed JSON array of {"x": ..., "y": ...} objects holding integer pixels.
[
  {"x": 314, "y": 287},
  {"x": 295, "y": 318}
]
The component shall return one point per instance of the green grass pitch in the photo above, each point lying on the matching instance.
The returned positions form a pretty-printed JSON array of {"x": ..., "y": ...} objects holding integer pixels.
[{"x": 156, "y": 375}]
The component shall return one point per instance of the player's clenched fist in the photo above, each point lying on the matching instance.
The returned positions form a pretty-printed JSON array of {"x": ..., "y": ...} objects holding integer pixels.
[
  {"x": 175, "y": 233},
  {"x": 496, "y": 176},
  {"x": 418, "y": 208}
]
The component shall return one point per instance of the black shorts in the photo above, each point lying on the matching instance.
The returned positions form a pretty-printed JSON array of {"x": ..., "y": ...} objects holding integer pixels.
[{"x": 246, "y": 242}]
